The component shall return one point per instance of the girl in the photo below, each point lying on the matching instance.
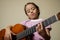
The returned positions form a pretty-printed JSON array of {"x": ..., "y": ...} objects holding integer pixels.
[{"x": 32, "y": 11}]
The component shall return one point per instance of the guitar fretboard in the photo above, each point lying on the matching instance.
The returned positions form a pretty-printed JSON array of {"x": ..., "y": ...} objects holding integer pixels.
[
  {"x": 49, "y": 21},
  {"x": 33, "y": 29}
]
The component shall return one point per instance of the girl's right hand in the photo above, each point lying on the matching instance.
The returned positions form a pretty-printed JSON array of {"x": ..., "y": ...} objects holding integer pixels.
[{"x": 7, "y": 35}]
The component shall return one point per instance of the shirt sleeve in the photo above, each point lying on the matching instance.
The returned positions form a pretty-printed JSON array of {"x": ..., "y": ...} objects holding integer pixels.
[{"x": 23, "y": 22}]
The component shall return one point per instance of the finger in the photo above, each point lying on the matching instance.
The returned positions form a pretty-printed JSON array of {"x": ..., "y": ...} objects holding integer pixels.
[
  {"x": 7, "y": 34},
  {"x": 41, "y": 26},
  {"x": 10, "y": 37},
  {"x": 38, "y": 27},
  {"x": 6, "y": 37}
]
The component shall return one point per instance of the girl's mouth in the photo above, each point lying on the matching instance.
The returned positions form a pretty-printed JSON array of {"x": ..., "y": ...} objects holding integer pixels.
[{"x": 32, "y": 14}]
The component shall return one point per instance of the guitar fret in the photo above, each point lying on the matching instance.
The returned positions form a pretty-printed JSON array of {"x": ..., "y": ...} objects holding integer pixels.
[
  {"x": 49, "y": 21},
  {"x": 53, "y": 19}
]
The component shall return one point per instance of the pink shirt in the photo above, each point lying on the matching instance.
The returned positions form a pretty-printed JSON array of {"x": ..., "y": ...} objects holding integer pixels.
[{"x": 30, "y": 23}]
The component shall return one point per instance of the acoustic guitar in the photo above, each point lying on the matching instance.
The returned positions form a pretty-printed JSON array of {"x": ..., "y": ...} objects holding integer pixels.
[{"x": 22, "y": 32}]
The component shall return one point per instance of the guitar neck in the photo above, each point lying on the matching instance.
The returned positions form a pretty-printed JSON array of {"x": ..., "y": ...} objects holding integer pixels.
[
  {"x": 33, "y": 29},
  {"x": 49, "y": 21}
]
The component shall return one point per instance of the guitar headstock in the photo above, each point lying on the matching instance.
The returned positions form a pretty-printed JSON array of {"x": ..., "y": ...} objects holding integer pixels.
[{"x": 58, "y": 15}]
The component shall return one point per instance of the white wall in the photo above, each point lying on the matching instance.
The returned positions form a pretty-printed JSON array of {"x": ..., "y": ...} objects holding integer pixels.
[{"x": 12, "y": 12}]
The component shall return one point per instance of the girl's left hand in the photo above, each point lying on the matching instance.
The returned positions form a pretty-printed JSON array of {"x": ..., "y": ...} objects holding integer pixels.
[{"x": 39, "y": 28}]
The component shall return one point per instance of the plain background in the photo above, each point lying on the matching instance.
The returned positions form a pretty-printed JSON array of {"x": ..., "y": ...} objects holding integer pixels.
[{"x": 12, "y": 12}]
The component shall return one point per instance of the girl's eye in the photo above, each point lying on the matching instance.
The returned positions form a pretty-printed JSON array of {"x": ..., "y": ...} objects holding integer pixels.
[
  {"x": 28, "y": 11},
  {"x": 33, "y": 8}
]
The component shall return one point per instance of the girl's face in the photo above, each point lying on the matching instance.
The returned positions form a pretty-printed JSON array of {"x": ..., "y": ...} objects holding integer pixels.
[{"x": 31, "y": 11}]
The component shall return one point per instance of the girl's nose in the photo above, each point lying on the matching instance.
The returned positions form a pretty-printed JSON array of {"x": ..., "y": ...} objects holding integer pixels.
[{"x": 31, "y": 11}]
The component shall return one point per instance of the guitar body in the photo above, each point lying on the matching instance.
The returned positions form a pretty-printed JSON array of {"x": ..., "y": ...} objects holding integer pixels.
[
  {"x": 2, "y": 33},
  {"x": 16, "y": 29}
]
